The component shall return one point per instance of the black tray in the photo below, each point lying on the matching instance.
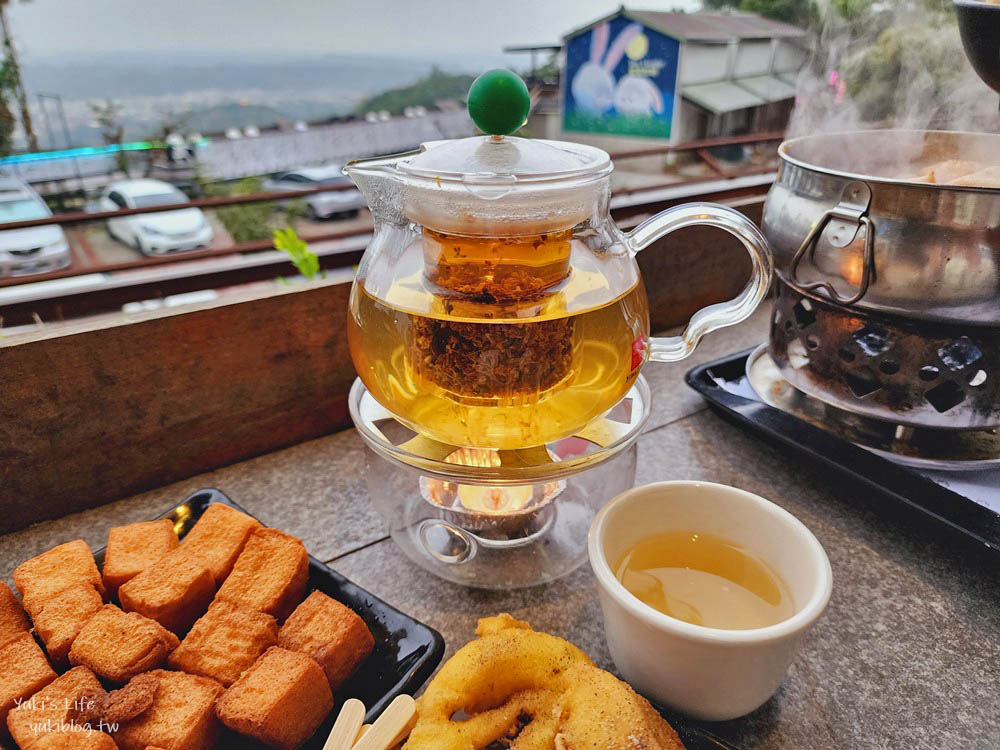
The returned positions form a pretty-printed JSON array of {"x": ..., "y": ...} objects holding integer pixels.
[
  {"x": 909, "y": 491},
  {"x": 693, "y": 736},
  {"x": 406, "y": 651}
]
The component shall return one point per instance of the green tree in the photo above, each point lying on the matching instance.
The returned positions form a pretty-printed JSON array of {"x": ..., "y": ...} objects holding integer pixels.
[
  {"x": 792, "y": 11},
  {"x": 108, "y": 118},
  {"x": 7, "y": 121},
  {"x": 245, "y": 222},
  {"x": 906, "y": 67},
  {"x": 12, "y": 84},
  {"x": 437, "y": 85}
]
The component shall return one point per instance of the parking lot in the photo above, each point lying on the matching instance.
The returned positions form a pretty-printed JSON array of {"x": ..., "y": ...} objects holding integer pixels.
[{"x": 93, "y": 247}]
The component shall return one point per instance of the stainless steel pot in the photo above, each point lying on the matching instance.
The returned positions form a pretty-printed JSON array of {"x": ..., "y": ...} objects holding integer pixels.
[
  {"x": 888, "y": 291},
  {"x": 847, "y": 222}
]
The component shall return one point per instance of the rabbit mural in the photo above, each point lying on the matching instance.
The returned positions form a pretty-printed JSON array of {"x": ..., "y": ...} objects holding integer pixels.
[
  {"x": 608, "y": 93},
  {"x": 593, "y": 85},
  {"x": 636, "y": 95}
]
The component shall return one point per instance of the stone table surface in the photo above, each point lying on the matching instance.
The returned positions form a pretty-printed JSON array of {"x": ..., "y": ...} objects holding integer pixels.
[{"x": 907, "y": 655}]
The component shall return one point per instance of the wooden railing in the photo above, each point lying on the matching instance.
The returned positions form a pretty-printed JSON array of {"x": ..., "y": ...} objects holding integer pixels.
[
  {"x": 95, "y": 410},
  {"x": 72, "y": 304}
]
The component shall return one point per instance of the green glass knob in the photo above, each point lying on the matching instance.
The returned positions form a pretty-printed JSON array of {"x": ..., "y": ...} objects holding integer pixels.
[{"x": 499, "y": 102}]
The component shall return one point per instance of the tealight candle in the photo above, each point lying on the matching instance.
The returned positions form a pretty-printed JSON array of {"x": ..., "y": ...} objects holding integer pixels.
[{"x": 494, "y": 499}]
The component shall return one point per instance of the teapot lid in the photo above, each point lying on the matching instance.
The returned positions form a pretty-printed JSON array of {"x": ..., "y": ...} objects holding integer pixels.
[
  {"x": 503, "y": 186},
  {"x": 497, "y": 183},
  {"x": 495, "y": 159}
]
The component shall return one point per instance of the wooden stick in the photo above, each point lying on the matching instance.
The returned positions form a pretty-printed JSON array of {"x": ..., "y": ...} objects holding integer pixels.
[
  {"x": 390, "y": 728},
  {"x": 361, "y": 733},
  {"x": 345, "y": 728}
]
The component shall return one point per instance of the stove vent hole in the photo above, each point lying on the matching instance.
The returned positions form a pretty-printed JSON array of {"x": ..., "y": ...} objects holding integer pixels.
[
  {"x": 978, "y": 378},
  {"x": 804, "y": 314},
  {"x": 812, "y": 342},
  {"x": 928, "y": 373},
  {"x": 959, "y": 354},
  {"x": 888, "y": 366},
  {"x": 945, "y": 396},
  {"x": 798, "y": 357},
  {"x": 846, "y": 354},
  {"x": 863, "y": 381},
  {"x": 395, "y": 432},
  {"x": 873, "y": 340}
]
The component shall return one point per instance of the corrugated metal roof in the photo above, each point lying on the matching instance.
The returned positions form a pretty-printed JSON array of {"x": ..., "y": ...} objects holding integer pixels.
[
  {"x": 715, "y": 26},
  {"x": 721, "y": 96},
  {"x": 771, "y": 88},
  {"x": 706, "y": 27}
]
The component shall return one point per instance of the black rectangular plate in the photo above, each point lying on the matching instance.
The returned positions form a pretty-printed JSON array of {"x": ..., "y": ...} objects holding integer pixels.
[
  {"x": 406, "y": 651},
  {"x": 909, "y": 492}
]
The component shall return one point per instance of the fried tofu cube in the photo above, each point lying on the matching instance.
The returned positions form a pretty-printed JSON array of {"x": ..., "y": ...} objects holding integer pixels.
[
  {"x": 219, "y": 537},
  {"x": 175, "y": 591},
  {"x": 44, "y": 576},
  {"x": 985, "y": 177},
  {"x": 59, "y": 707},
  {"x": 332, "y": 634},
  {"x": 281, "y": 700},
  {"x": 13, "y": 619},
  {"x": 947, "y": 171},
  {"x": 25, "y": 671},
  {"x": 225, "y": 642},
  {"x": 182, "y": 715},
  {"x": 60, "y": 620},
  {"x": 270, "y": 574},
  {"x": 133, "y": 548},
  {"x": 80, "y": 740},
  {"x": 118, "y": 645}
]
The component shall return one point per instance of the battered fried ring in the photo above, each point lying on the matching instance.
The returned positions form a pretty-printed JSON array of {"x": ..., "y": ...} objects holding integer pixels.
[{"x": 532, "y": 691}]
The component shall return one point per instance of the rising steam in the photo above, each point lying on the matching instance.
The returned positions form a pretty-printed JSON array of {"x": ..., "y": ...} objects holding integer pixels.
[{"x": 904, "y": 69}]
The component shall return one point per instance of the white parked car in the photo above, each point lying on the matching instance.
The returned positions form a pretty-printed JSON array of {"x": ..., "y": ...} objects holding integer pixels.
[
  {"x": 34, "y": 249},
  {"x": 320, "y": 205},
  {"x": 158, "y": 233}
]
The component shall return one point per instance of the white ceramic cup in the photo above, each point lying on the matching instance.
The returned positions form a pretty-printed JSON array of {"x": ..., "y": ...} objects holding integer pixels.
[{"x": 707, "y": 673}]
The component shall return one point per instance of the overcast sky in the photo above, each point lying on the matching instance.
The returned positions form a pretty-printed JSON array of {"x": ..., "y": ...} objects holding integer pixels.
[{"x": 400, "y": 27}]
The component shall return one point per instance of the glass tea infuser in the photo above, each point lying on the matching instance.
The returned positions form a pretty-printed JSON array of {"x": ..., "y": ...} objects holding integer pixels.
[{"x": 498, "y": 306}]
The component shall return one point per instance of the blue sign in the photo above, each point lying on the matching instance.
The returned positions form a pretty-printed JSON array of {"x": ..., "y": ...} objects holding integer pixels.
[{"x": 620, "y": 80}]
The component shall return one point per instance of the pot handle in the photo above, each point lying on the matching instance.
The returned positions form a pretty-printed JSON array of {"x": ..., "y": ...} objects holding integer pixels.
[
  {"x": 851, "y": 215},
  {"x": 673, "y": 348}
]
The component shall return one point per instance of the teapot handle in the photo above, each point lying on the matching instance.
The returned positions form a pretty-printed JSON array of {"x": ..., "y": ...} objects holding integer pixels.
[{"x": 673, "y": 348}]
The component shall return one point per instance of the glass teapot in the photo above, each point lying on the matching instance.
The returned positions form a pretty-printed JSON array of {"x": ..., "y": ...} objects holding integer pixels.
[{"x": 498, "y": 305}]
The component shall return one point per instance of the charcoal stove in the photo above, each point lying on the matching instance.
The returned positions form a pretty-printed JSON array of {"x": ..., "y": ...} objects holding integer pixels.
[{"x": 887, "y": 296}]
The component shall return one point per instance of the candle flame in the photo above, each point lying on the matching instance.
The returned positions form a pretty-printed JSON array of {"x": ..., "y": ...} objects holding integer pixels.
[{"x": 479, "y": 498}]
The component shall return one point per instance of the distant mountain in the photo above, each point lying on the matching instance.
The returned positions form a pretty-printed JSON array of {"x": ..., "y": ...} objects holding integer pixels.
[
  {"x": 432, "y": 88},
  {"x": 140, "y": 75},
  {"x": 222, "y": 116},
  {"x": 153, "y": 87}
]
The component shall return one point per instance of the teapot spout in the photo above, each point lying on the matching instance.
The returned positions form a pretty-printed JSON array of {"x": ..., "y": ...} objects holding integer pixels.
[{"x": 380, "y": 182}]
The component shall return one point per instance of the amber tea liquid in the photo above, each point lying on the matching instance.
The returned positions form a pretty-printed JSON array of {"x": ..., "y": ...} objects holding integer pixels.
[
  {"x": 484, "y": 353},
  {"x": 705, "y": 580}
]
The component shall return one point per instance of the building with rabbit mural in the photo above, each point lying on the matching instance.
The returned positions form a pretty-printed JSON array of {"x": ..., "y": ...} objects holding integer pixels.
[{"x": 680, "y": 76}]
